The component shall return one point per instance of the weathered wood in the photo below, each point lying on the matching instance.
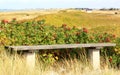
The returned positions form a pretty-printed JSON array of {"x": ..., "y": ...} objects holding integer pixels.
[{"x": 60, "y": 46}]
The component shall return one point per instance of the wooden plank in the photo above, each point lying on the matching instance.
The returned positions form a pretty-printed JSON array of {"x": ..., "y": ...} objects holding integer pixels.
[{"x": 60, "y": 46}]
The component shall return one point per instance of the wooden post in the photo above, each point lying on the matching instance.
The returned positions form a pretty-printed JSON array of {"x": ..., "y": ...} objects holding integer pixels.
[
  {"x": 30, "y": 59},
  {"x": 94, "y": 56}
]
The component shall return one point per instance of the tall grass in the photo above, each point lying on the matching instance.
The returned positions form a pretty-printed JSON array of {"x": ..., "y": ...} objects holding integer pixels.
[{"x": 16, "y": 65}]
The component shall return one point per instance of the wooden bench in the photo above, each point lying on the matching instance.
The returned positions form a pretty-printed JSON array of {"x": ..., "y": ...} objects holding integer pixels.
[{"x": 94, "y": 51}]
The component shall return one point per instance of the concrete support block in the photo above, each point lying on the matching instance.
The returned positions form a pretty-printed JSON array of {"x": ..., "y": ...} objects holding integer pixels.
[
  {"x": 94, "y": 56},
  {"x": 30, "y": 59}
]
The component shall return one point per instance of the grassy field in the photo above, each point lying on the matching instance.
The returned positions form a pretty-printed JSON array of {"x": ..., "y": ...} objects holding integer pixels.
[
  {"x": 25, "y": 14},
  {"x": 98, "y": 21}
]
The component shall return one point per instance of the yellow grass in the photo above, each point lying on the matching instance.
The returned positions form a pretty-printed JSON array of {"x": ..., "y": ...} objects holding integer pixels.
[
  {"x": 79, "y": 18},
  {"x": 25, "y": 14},
  {"x": 15, "y": 65},
  {"x": 96, "y": 21}
]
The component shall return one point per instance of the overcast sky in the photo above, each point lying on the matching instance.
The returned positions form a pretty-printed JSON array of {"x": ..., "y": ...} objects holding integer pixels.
[{"x": 23, "y": 4}]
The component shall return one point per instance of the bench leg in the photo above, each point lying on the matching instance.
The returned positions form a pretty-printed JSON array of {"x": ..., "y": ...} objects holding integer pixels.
[
  {"x": 30, "y": 59},
  {"x": 94, "y": 56}
]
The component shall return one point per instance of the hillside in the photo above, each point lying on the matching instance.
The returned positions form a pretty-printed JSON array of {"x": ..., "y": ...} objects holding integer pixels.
[{"x": 100, "y": 22}]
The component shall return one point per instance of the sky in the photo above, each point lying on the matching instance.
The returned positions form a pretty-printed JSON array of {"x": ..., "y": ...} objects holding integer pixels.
[{"x": 33, "y": 4}]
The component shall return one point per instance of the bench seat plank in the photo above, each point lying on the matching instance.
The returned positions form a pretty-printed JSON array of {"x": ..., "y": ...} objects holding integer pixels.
[{"x": 59, "y": 46}]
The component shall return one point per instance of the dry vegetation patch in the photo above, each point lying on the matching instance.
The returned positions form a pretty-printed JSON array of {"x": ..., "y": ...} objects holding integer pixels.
[
  {"x": 16, "y": 65},
  {"x": 24, "y": 14}
]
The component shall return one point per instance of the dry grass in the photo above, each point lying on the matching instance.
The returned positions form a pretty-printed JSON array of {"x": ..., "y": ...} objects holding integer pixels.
[
  {"x": 106, "y": 11},
  {"x": 81, "y": 19},
  {"x": 25, "y": 14},
  {"x": 100, "y": 21},
  {"x": 15, "y": 65}
]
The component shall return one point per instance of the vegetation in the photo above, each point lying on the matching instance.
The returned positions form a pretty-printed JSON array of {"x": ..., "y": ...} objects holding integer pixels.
[
  {"x": 93, "y": 21},
  {"x": 73, "y": 27},
  {"x": 15, "y": 65}
]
